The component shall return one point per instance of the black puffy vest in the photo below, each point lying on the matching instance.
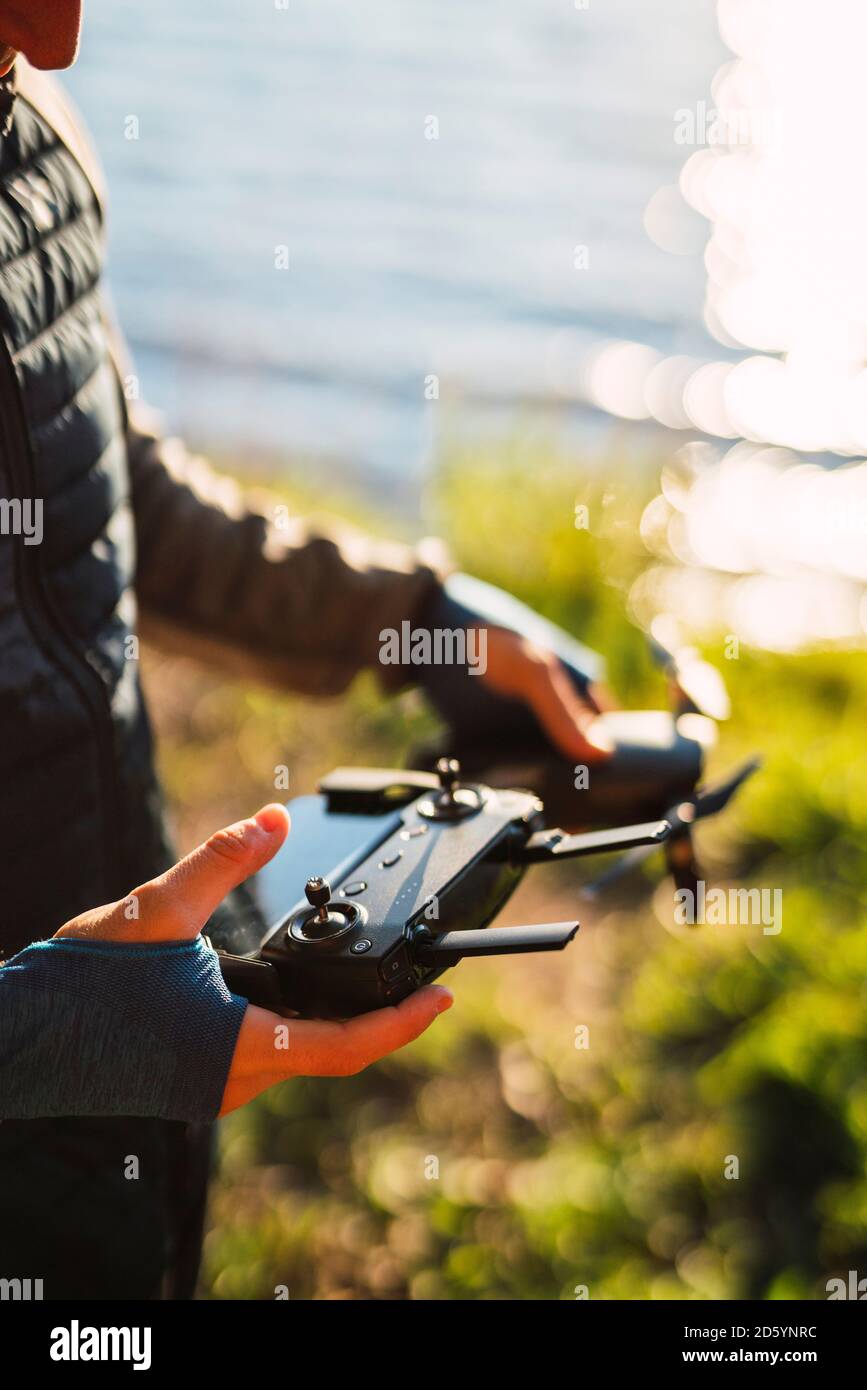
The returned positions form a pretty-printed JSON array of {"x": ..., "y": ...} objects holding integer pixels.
[
  {"x": 80, "y": 815},
  {"x": 80, "y": 818}
]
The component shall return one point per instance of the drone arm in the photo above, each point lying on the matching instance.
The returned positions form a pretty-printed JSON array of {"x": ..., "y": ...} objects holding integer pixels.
[{"x": 548, "y": 846}]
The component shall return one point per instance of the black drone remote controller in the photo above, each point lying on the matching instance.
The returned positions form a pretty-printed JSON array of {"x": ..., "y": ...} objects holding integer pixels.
[{"x": 404, "y": 872}]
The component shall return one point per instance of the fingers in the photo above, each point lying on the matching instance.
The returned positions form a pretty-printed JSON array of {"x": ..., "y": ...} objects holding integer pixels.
[
  {"x": 176, "y": 905},
  {"x": 567, "y": 720},
  {"x": 271, "y": 1048},
  {"x": 601, "y": 697},
  {"x": 519, "y": 668},
  {"x": 360, "y": 1041}
]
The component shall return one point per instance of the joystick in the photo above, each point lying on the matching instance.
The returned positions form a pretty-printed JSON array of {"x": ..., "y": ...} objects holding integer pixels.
[
  {"x": 448, "y": 770},
  {"x": 321, "y": 920},
  {"x": 455, "y": 799},
  {"x": 318, "y": 893}
]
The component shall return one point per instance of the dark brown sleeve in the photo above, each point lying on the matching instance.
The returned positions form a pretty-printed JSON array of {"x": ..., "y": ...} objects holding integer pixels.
[{"x": 238, "y": 580}]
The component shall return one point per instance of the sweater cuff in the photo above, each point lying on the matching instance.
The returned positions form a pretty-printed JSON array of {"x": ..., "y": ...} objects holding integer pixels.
[{"x": 116, "y": 1028}]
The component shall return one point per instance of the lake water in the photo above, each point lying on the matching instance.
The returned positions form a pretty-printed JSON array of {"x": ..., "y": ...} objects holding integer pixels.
[{"x": 256, "y": 127}]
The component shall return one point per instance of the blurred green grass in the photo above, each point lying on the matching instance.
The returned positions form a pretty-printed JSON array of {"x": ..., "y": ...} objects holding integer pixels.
[{"x": 494, "y": 1159}]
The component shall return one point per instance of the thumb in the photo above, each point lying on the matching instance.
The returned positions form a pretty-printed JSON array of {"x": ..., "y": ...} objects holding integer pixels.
[{"x": 178, "y": 903}]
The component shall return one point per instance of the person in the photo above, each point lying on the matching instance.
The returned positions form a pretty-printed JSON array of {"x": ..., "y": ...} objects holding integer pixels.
[{"x": 118, "y": 1040}]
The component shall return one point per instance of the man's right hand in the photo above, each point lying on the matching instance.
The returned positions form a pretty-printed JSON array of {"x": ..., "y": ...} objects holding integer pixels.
[{"x": 175, "y": 907}]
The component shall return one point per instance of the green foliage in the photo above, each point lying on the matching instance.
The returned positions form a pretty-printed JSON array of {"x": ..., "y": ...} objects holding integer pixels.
[{"x": 494, "y": 1158}]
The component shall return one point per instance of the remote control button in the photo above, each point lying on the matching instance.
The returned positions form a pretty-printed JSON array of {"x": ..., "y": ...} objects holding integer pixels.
[
  {"x": 396, "y": 965},
  {"x": 413, "y": 832},
  {"x": 391, "y": 860},
  {"x": 352, "y": 890},
  {"x": 358, "y": 948}
]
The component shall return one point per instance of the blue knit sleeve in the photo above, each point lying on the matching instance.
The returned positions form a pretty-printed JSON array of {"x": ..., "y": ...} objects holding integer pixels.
[{"x": 110, "y": 1028}]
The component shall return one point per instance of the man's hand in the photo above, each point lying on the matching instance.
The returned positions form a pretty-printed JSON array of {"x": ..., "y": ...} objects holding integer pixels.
[
  {"x": 175, "y": 907},
  {"x": 521, "y": 670}
]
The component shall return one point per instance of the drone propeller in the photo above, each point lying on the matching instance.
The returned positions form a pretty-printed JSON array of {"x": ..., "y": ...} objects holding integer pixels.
[
  {"x": 681, "y": 818},
  {"x": 709, "y": 801}
]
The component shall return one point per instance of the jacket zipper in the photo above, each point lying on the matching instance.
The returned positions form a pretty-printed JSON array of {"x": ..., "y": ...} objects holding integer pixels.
[{"x": 49, "y": 630}]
